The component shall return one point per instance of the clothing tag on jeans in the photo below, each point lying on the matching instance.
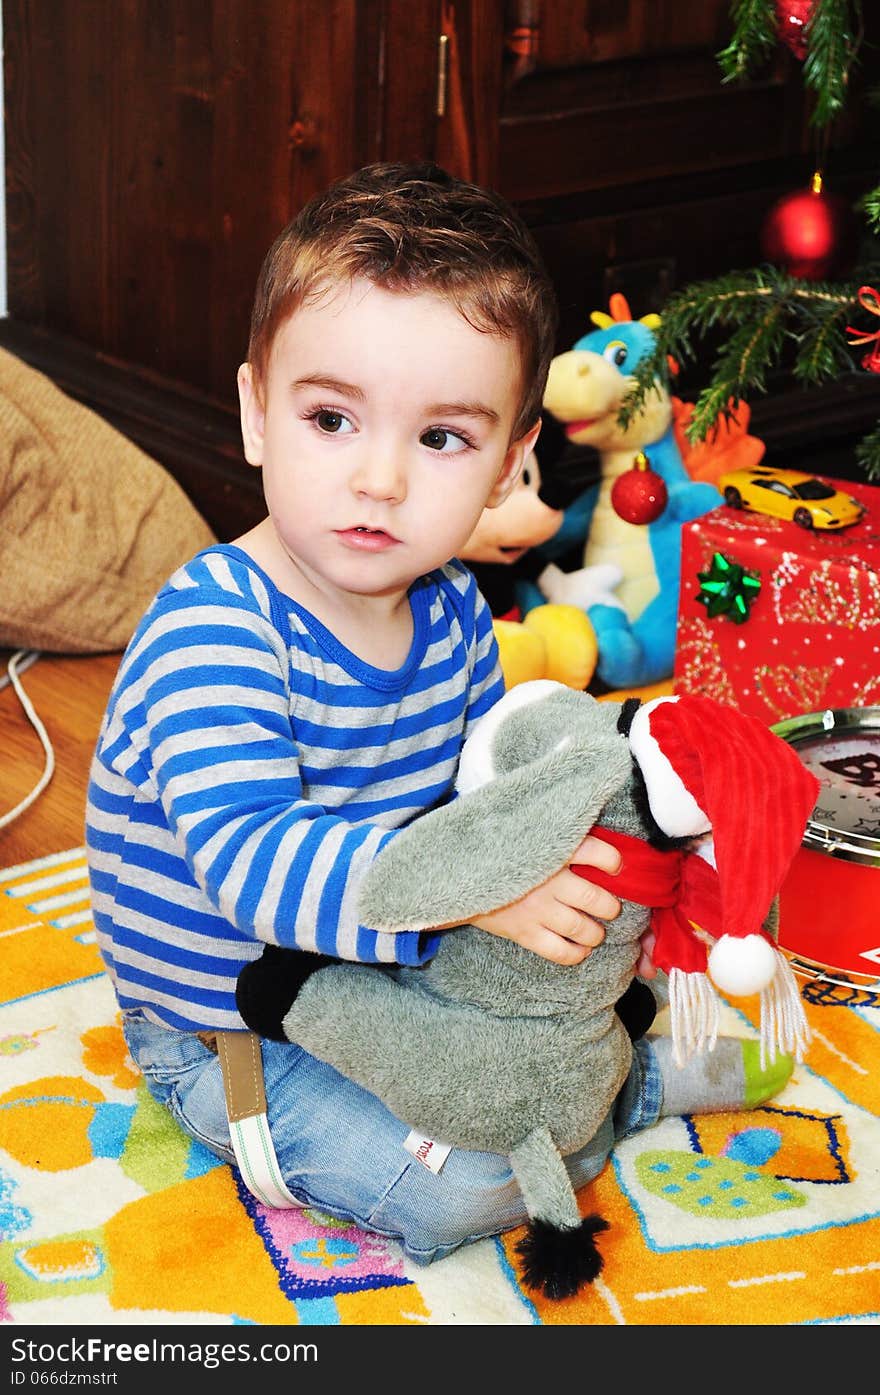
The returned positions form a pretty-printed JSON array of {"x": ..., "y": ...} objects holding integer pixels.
[{"x": 427, "y": 1151}]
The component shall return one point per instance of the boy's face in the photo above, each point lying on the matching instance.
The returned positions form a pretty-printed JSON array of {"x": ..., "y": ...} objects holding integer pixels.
[{"x": 383, "y": 432}]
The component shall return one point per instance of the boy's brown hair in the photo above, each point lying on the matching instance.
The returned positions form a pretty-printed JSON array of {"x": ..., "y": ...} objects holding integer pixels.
[{"x": 416, "y": 228}]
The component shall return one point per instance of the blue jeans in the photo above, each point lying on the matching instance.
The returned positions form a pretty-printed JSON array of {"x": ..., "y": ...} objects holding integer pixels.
[{"x": 341, "y": 1151}]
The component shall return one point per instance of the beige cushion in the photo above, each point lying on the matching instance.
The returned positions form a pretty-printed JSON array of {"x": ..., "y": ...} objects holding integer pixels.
[{"x": 90, "y": 526}]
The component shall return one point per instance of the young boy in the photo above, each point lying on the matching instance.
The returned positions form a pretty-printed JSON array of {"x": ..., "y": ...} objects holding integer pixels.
[{"x": 292, "y": 699}]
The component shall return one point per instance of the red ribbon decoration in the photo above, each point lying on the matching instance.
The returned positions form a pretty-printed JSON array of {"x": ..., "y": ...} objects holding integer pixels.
[{"x": 870, "y": 301}]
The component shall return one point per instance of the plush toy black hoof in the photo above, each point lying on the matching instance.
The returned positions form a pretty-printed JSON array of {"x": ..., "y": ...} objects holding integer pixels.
[
  {"x": 636, "y": 1008},
  {"x": 560, "y": 1262},
  {"x": 267, "y": 988}
]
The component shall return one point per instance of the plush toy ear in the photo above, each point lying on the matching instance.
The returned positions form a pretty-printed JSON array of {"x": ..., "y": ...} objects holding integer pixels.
[{"x": 490, "y": 846}]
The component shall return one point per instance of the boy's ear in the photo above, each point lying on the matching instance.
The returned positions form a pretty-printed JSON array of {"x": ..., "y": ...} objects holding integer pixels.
[
  {"x": 511, "y": 470},
  {"x": 252, "y": 416}
]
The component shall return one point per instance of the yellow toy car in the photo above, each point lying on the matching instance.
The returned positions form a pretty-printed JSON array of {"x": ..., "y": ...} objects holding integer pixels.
[{"x": 791, "y": 494}]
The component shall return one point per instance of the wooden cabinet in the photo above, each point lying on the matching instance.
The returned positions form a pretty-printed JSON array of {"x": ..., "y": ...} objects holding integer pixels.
[{"x": 155, "y": 147}]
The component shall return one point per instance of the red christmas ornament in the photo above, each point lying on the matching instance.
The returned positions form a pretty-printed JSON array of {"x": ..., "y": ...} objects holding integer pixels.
[
  {"x": 639, "y": 495},
  {"x": 792, "y": 18},
  {"x": 810, "y": 234}
]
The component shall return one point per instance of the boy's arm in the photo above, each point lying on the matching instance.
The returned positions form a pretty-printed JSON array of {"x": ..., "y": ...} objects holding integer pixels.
[{"x": 205, "y": 702}]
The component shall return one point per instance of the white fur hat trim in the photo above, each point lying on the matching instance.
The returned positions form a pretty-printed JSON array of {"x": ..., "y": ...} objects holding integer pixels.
[{"x": 672, "y": 804}]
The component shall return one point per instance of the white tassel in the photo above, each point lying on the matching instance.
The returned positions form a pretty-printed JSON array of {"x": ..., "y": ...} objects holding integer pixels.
[
  {"x": 693, "y": 1014},
  {"x": 784, "y": 1025}
]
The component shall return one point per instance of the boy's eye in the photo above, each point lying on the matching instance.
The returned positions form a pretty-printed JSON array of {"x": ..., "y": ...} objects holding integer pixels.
[
  {"x": 448, "y": 442},
  {"x": 333, "y": 422}
]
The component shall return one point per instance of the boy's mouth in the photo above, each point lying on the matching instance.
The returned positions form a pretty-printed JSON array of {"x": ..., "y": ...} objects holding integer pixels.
[{"x": 367, "y": 539}]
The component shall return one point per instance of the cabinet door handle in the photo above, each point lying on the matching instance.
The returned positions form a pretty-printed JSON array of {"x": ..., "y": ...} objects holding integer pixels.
[{"x": 442, "y": 64}]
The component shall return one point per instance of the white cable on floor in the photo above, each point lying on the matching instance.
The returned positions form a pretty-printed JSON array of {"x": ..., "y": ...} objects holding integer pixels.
[
  {"x": 22, "y": 659},
  {"x": 29, "y": 656}
]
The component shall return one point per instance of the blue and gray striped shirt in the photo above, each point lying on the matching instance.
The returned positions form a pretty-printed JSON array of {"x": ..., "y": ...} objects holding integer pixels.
[{"x": 248, "y": 770}]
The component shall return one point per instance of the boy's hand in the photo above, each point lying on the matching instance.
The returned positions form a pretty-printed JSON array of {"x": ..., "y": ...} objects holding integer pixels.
[
  {"x": 646, "y": 968},
  {"x": 556, "y": 920}
]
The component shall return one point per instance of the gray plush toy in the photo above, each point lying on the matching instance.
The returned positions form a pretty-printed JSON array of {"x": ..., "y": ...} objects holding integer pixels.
[{"x": 491, "y": 1047}]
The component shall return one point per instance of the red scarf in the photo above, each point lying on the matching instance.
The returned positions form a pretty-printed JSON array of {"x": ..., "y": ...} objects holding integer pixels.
[{"x": 680, "y": 888}]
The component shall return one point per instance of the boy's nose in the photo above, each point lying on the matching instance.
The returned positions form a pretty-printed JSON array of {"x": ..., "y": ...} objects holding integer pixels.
[{"x": 381, "y": 475}]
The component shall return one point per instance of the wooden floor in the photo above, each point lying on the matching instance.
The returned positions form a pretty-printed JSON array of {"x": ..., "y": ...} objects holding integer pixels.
[{"x": 69, "y": 695}]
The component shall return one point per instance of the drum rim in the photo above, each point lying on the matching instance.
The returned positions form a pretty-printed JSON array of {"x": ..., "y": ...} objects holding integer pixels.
[
  {"x": 815, "y": 970},
  {"x": 818, "y": 836}
]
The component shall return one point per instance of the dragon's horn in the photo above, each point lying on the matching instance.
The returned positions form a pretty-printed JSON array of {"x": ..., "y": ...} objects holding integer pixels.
[
  {"x": 619, "y": 307},
  {"x": 601, "y": 319},
  {"x": 652, "y": 321}
]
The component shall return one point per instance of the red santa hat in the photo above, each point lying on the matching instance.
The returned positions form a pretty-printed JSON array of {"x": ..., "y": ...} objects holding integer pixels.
[{"x": 740, "y": 781}]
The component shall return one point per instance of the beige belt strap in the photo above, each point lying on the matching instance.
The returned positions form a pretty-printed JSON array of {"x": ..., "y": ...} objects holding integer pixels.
[{"x": 241, "y": 1062}]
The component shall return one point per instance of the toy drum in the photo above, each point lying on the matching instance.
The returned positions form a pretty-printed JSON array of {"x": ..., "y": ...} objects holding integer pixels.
[{"x": 829, "y": 904}]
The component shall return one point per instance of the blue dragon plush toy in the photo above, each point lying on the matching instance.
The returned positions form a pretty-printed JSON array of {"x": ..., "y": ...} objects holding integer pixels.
[{"x": 629, "y": 582}]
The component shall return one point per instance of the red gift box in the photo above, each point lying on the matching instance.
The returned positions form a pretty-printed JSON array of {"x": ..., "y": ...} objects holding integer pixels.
[{"x": 810, "y": 636}]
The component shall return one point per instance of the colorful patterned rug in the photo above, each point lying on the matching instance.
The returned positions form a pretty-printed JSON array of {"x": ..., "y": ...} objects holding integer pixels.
[{"x": 109, "y": 1215}]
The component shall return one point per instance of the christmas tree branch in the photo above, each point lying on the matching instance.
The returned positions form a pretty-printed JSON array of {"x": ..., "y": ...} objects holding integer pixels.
[
  {"x": 726, "y": 299},
  {"x": 752, "y": 350},
  {"x": 754, "y": 38},
  {"x": 764, "y": 307},
  {"x": 740, "y": 366},
  {"x": 833, "y": 35},
  {"x": 821, "y": 353}
]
